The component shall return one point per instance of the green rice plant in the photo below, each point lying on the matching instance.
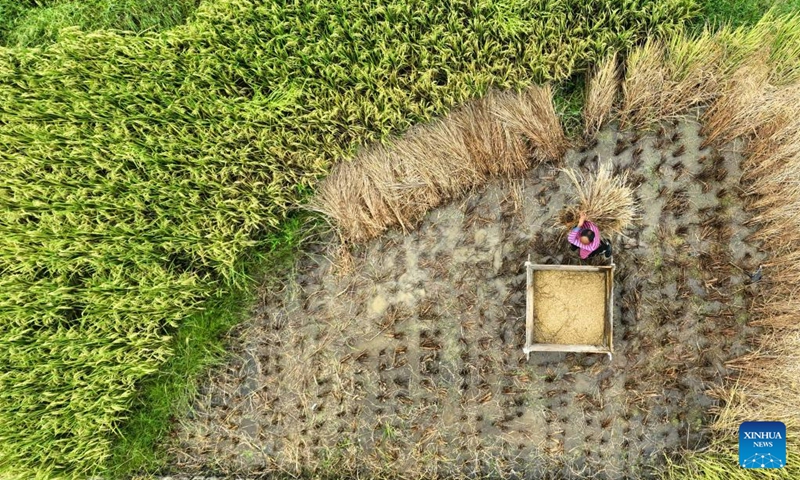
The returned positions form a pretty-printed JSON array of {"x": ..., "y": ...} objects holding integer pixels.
[
  {"x": 568, "y": 100},
  {"x": 10, "y": 13},
  {"x": 737, "y": 13},
  {"x": 37, "y": 23},
  {"x": 785, "y": 49},
  {"x": 773, "y": 33}
]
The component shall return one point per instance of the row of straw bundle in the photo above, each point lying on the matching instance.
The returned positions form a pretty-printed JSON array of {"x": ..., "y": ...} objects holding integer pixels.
[
  {"x": 767, "y": 386},
  {"x": 758, "y": 101},
  {"x": 601, "y": 91},
  {"x": 666, "y": 78},
  {"x": 397, "y": 184},
  {"x": 771, "y": 173}
]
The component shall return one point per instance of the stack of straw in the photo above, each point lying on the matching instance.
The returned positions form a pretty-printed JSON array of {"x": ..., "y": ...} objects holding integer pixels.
[{"x": 500, "y": 134}]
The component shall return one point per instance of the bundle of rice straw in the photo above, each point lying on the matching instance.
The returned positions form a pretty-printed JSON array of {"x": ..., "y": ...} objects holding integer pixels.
[
  {"x": 606, "y": 199},
  {"x": 396, "y": 184},
  {"x": 600, "y": 94}
]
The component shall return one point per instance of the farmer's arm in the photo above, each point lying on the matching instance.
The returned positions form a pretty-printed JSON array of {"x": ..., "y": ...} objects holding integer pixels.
[
  {"x": 581, "y": 220},
  {"x": 573, "y": 234}
]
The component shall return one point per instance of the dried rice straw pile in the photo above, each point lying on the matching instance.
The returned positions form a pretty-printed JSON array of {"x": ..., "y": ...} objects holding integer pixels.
[
  {"x": 742, "y": 107},
  {"x": 501, "y": 134},
  {"x": 664, "y": 81},
  {"x": 600, "y": 93},
  {"x": 531, "y": 114},
  {"x": 606, "y": 199},
  {"x": 692, "y": 74},
  {"x": 643, "y": 86}
]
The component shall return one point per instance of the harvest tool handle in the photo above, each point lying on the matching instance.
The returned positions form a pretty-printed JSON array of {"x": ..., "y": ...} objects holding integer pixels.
[
  {"x": 528, "y": 305},
  {"x": 611, "y": 310}
]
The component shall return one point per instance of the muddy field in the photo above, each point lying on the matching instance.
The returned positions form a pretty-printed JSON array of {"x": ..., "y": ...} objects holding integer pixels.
[{"x": 408, "y": 361}]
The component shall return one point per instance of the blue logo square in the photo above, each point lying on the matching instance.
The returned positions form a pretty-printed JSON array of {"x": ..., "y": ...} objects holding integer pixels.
[{"x": 762, "y": 445}]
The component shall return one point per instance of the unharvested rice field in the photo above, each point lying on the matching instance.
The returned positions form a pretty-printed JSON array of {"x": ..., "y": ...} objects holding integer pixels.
[{"x": 402, "y": 357}]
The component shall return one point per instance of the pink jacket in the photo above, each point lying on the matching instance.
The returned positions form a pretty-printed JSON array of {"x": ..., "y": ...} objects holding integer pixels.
[{"x": 575, "y": 238}]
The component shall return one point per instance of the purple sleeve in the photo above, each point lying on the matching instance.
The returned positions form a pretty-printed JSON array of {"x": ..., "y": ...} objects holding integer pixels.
[{"x": 573, "y": 235}]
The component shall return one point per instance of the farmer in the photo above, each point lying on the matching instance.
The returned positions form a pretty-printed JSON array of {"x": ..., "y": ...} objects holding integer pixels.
[{"x": 586, "y": 237}]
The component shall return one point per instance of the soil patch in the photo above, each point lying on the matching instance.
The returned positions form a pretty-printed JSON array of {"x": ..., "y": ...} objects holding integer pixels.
[{"x": 569, "y": 307}]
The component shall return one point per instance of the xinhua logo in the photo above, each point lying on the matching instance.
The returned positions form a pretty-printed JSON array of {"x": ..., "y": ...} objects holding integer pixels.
[{"x": 762, "y": 445}]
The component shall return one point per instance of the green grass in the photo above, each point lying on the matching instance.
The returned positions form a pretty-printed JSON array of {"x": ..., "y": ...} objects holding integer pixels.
[
  {"x": 199, "y": 344},
  {"x": 568, "y": 99},
  {"x": 10, "y": 13},
  {"x": 36, "y": 23},
  {"x": 721, "y": 462},
  {"x": 141, "y": 172},
  {"x": 743, "y": 12}
]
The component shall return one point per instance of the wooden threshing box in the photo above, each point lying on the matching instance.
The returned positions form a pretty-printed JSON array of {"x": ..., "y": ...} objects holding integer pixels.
[{"x": 569, "y": 309}]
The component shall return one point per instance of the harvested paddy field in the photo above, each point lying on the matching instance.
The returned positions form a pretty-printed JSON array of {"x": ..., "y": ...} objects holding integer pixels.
[{"x": 405, "y": 359}]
